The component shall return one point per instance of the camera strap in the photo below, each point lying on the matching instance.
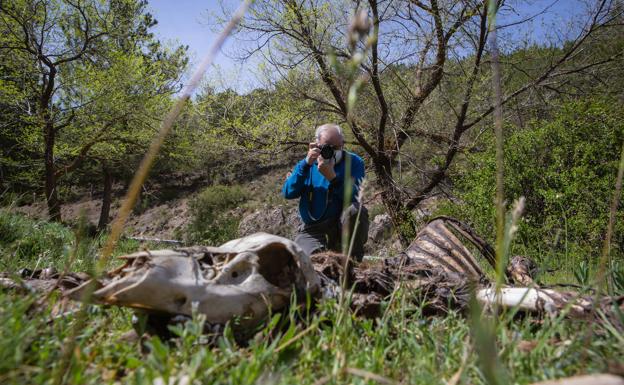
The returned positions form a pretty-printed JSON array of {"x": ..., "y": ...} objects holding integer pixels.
[
  {"x": 310, "y": 196},
  {"x": 327, "y": 197},
  {"x": 310, "y": 201}
]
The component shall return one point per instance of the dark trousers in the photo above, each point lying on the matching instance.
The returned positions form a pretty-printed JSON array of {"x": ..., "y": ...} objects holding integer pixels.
[{"x": 327, "y": 234}]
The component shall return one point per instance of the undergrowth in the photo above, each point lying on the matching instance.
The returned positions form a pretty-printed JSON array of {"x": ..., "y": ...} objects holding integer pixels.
[
  {"x": 324, "y": 346},
  {"x": 565, "y": 168},
  {"x": 211, "y": 222}
]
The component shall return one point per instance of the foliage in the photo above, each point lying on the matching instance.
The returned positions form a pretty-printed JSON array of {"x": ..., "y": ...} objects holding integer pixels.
[
  {"x": 25, "y": 242},
  {"x": 566, "y": 170},
  {"x": 20, "y": 162},
  {"x": 418, "y": 101},
  {"x": 22, "y": 239},
  {"x": 617, "y": 277},
  {"x": 339, "y": 348},
  {"x": 260, "y": 128},
  {"x": 581, "y": 273},
  {"x": 87, "y": 79},
  {"x": 282, "y": 353},
  {"x": 211, "y": 223}
]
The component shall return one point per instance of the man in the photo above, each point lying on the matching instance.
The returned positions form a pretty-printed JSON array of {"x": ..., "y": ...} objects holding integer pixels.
[{"x": 319, "y": 184}]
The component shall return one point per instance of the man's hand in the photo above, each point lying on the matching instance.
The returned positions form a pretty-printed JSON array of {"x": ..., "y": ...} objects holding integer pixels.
[
  {"x": 326, "y": 168},
  {"x": 313, "y": 153}
]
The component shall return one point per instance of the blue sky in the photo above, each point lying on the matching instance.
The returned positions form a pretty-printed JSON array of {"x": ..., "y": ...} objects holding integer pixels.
[
  {"x": 187, "y": 21},
  {"x": 191, "y": 22}
]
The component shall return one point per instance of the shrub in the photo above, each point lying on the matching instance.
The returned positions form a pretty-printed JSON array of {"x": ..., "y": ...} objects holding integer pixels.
[
  {"x": 565, "y": 168},
  {"x": 23, "y": 240},
  {"x": 211, "y": 223}
]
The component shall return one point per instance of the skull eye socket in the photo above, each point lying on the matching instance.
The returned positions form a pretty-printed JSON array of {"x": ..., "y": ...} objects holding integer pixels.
[
  {"x": 180, "y": 301},
  {"x": 277, "y": 265},
  {"x": 237, "y": 275},
  {"x": 273, "y": 262}
]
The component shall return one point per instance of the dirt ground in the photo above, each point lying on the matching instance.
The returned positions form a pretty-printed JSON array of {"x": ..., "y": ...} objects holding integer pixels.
[
  {"x": 161, "y": 220},
  {"x": 166, "y": 220}
]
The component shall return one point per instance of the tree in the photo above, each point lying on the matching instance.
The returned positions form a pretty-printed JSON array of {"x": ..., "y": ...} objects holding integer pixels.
[
  {"x": 19, "y": 171},
  {"x": 428, "y": 78},
  {"x": 74, "y": 48},
  {"x": 128, "y": 99}
]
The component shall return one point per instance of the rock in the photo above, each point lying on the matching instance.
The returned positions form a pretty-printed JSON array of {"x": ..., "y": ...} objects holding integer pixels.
[
  {"x": 380, "y": 227},
  {"x": 280, "y": 220}
]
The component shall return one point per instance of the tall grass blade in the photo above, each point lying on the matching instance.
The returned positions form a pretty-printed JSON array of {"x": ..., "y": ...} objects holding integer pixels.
[{"x": 139, "y": 178}]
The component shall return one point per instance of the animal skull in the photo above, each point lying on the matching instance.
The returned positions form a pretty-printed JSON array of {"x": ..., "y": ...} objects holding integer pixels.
[{"x": 246, "y": 278}]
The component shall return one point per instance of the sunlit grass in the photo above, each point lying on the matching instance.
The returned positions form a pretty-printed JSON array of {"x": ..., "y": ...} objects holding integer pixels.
[{"x": 403, "y": 346}]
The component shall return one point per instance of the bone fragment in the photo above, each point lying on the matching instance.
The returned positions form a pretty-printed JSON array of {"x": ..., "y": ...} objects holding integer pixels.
[
  {"x": 521, "y": 271},
  {"x": 522, "y": 298},
  {"x": 593, "y": 379}
]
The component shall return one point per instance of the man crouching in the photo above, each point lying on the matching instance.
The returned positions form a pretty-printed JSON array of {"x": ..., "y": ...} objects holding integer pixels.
[{"x": 319, "y": 182}]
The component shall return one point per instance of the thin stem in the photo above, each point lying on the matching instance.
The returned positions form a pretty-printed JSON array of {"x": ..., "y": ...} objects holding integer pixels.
[
  {"x": 498, "y": 128},
  {"x": 605, "y": 260},
  {"x": 137, "y": 183}
]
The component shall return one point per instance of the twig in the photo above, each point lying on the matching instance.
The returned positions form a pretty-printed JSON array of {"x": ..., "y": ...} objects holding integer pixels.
[
  {"x": 147, "y": 239},
  {"x": 366, "y": 375},
  {"x": 297, "y": 337}
]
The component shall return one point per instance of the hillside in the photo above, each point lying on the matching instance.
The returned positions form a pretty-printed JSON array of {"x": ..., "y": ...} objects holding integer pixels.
[{"x": 488, "y": 142}]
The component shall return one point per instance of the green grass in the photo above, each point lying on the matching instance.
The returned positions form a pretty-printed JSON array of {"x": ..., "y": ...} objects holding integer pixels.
[{"x": 328, "y": 346}]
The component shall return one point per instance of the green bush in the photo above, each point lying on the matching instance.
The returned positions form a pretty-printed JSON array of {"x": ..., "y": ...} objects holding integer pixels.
[
  {"x": 211, "y": 223},
  {"x": 24, "y": 240},
  {"x": 565, "y": 168}
]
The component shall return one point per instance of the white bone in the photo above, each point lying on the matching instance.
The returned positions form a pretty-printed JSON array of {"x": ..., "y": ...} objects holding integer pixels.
[
  {"x": 254, "y": 275},
  {"x": 522, "y": 298}
]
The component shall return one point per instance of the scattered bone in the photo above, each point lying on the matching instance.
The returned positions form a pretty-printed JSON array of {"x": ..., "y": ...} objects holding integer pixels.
[
  {"x": 249, "y": 277},
  {"x": 436, "y": 244},
  {"x": 594, "y": 379},
  {"x": 521, "y": 270},
  {"x": 522, "y": 298},
  {"x": 552, "y": 302},
  {"x": 41, "y": 280},
  {"x": 372, "y": 283}
]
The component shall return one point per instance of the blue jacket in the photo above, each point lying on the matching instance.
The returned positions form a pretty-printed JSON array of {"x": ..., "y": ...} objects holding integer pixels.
[{"x": 319, "y": 199}]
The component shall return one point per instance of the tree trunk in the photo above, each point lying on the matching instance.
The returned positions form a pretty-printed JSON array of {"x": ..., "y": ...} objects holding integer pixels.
[
  {"x": 402, "y": 218},
  {"x": 106, "y": 198},
  {"x": 51, "y": 191},
  {"x": 49, "y": 138}
]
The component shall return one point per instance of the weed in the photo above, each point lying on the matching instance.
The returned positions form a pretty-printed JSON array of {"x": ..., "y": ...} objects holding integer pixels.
[
  {"x": 23, "y": 239},
  {"x": 617, "y": 276},
  {"x": 581, "y": 273},
  {"x": 404, "y": 346}
]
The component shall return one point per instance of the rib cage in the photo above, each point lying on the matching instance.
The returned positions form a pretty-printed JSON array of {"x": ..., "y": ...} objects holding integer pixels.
[{"x": 439, "y": 246}]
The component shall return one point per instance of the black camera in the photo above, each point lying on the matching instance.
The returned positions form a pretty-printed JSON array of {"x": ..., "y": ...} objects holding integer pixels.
[{"x": 327, "y": 151}]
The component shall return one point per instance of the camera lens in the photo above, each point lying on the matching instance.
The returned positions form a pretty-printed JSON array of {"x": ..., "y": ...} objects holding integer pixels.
[{"x": 327, "y": 151}]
